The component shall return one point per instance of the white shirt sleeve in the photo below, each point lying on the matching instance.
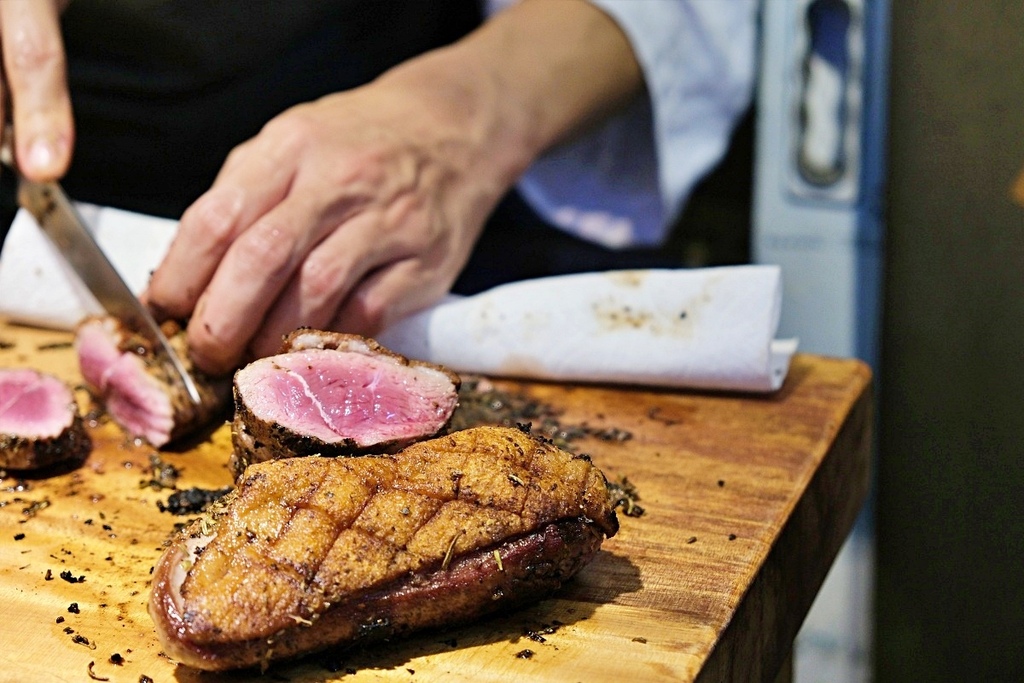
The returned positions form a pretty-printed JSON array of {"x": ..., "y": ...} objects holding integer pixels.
[{"x": 626, "y": 182}]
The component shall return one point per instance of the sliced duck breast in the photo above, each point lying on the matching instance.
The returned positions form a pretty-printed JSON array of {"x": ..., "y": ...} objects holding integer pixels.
[
  {"x": 310, "y": 553},
  {"x": 39, "y": 421},
  {"x": 331, "y": 394},
  {"x": 140, "y": 391}
]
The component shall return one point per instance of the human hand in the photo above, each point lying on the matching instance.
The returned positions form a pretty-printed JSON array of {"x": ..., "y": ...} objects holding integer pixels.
[
  {"x": 349, "y": 212},
  {"x": 344, "y": 214},
  {"x": 35, "y": 84}
]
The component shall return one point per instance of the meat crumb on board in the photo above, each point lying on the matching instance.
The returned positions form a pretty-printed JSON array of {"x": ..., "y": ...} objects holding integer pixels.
[
  {"x": 623, "y": 496},
  {"x": 481, "y": 403}
]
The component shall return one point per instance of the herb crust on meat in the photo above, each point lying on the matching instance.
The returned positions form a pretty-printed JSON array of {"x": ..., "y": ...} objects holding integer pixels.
[{"x": 310, "y": 553}]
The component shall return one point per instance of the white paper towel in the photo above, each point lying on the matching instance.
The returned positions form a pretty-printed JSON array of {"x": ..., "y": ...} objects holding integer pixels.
[
  {"x": 37, "y": 287},
  {"x": 709, "y": 328}
]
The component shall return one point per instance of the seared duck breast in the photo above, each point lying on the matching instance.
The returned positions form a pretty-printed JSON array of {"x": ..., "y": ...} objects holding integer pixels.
[
  {"x": 329, "y": 393},
  {"x": 139, "y": 390},
  {"x": 309, "y": 553},
  {"x": 39, "y": 421}
]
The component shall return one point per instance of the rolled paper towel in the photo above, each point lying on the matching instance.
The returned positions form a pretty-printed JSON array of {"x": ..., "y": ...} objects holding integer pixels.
[{"x": 709, "y": 328}]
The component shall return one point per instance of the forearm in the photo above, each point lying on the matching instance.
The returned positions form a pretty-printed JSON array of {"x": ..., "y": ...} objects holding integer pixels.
[{"x": 530, "y": 77}]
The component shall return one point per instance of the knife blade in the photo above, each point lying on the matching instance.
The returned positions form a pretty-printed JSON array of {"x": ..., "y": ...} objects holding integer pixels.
[{"x": 63, "y": 225}]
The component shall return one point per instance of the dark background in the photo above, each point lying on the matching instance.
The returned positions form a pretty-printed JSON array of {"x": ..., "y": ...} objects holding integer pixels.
[{"x": 950, "y": 515}]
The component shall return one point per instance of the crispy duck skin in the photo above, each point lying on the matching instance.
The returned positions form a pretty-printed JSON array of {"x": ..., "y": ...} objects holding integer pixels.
[
  {"x": 329, "y": 393},
  {"x": 140, "y": 392},
  {"x": 39, "y": 421},
  {"x": 310, "y": 553}
]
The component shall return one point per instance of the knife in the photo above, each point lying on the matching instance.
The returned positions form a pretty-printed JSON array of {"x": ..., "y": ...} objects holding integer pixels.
[{"x": 63, "y": 225}]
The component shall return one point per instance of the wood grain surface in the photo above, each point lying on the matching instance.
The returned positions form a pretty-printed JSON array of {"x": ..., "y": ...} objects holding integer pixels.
[{"x": 747, "y": 499}]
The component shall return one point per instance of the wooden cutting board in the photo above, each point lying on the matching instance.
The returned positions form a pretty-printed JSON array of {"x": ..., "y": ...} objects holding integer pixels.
[{"x": 746, "y": 501}]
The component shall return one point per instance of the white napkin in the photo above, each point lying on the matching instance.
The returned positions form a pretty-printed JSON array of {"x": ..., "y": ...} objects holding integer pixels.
[
  {"x": 708, "y": 328},
  {"x": 37, "y": 287}
]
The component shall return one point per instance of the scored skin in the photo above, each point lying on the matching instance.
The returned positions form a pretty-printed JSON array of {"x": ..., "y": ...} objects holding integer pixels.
[
  {"x": 312, "y": 552},
  {"x": 257, "y": 440}
]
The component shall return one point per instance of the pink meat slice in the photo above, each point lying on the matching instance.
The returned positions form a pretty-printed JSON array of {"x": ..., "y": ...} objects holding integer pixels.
[
  {"x": 138, "y": 389},
  {"x": 34, "y": 405},
  {"x": 333, "y": 396},
  {"x": 39, "y": 421},
  {"x": 132, "y": 397}
]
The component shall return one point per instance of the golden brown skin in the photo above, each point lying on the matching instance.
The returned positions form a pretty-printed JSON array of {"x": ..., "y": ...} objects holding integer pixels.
[{"x": 313, "y": 552}]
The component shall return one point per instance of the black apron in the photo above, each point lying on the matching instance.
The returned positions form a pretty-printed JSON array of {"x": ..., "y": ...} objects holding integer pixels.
[{"x": 162, "y": 90}]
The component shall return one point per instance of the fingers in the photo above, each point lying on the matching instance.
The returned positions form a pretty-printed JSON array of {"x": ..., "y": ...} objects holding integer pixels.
[
  {"x": 249, "y": 185},
  {"x": 205, "y": 232},
  {"x": 35, "y": 71},
  {"x": 238, "y": 246},
  {"x": 273, "y": 266},
  {"x": 245, "y": 285},
  {"x": 389, "y": 294},
  {"x": 366, "y": 268},
  {"x": 308, "y": 223},
  {"x": 323, "y": 280}
]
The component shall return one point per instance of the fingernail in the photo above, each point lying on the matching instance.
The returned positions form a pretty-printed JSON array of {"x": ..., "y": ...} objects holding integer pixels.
[{"x": 41, "y": 155}]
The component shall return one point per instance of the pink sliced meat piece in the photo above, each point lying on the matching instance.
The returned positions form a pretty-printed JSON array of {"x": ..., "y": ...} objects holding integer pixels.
[
  {"x": 329, "y": 393},
  {"x": 39, "y": 421},
  {"x": 137, "y": 389}
]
